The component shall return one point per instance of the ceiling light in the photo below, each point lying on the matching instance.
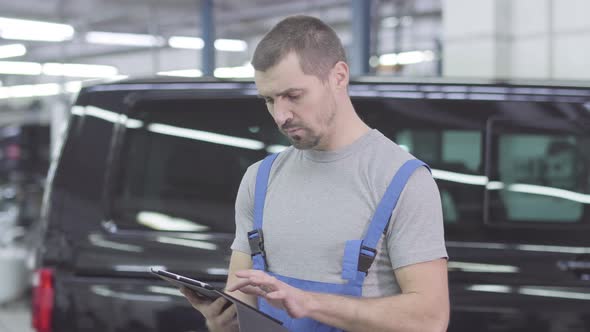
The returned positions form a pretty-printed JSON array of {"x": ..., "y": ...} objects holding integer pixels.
[
  {"x": 78, "y": 70},
  {"x": 34, "y": 30},
  {"x": 20, "y": 68},
  {"x": 186, "y": 42},
  {"x": 241, "y": 71},
  {"x": 12, "y": 50},
  {"x": 195, "y": 43},
  {"x": 406, "y": 58},
  {"x": 181, "y": 73},
  {"x": 126, "y": 39},
  {"x": 389, "y": 22},
  {"x": 231, "y": 45},
  {"x": 30, "y": 90}
]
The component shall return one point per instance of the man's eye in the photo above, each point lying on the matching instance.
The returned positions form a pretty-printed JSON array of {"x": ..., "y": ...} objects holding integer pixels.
[{"x": 293, "y": 97}]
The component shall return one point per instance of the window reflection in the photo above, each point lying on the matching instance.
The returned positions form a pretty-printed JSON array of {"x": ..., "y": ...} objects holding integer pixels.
[
  {"x": 181, "y": 169},
  {"x": 545, "y": 178}
]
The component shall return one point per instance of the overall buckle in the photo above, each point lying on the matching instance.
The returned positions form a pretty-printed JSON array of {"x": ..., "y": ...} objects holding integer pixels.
[
  {"x": 256, "y": 241},
  {"x": 366, "y": 259}
]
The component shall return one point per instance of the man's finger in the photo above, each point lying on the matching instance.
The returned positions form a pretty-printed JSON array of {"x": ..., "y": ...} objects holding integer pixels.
[
  {"x": 239, "y": 285},
  {"x": 228, "y": 315},
  {"x": 216, "y": 306},
  {"x": 253, "y": 290},
  {"x": 193, "y": 297}
]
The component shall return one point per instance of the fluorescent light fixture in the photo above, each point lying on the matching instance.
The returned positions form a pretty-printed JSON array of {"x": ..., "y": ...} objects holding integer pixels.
[
  {"x": 12, "y": 50},
  {"x": 11, "y": 28},
  {"x": 78, "y": 70},
  {"x": 126, "y": 39},
  {"x": 460, "y": 177},
  {"x": 181, "y": 73},
  {"x": 390, "y": 22},
  {"x": 20, "y": 68},
  {"x": 73, "y": 86},
  {"x": 389, "y": 59},
  {"x": 196, "y": 43},
  {"x": 206, "y": 136},
  {"x": 241, "y": 71},
  {"x": 231, "y": 45},
  {"x": 406, "y": 58},
  {"x": 550, "y": 191},
  {"x": 32, "y": 90},
  {"x": 163, "y": 222},
  {"x": 56, "y": 69},
  {"x": 193, "y": 43}
]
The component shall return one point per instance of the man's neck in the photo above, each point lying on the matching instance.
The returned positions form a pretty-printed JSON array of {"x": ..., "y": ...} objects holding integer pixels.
[{"x": 347, "y": 128}]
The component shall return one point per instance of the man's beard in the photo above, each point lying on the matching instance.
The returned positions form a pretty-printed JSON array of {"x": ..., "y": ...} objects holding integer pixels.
[{"x": 304, "y": 142}]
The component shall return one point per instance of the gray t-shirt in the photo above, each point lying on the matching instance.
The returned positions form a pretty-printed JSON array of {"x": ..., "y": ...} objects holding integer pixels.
[{"x": 318, "y": 200}]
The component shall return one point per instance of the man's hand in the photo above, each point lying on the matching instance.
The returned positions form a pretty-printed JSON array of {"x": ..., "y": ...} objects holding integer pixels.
[
  {"x": 276, "y": 292},
  {"x": 218, "y": 318}
]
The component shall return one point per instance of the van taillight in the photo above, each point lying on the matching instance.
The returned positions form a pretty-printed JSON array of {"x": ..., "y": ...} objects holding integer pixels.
[{"x": 43, "y": 300}]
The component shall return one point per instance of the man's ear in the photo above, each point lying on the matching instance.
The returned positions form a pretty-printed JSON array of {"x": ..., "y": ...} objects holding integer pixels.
[{"x": 340, "y": 75}]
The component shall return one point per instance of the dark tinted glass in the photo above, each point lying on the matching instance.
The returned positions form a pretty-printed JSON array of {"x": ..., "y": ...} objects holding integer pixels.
[
  {"x": 541, "y": 177},
  {"x": 183, "y": 162},
  {"x": 447, "y": 135}
]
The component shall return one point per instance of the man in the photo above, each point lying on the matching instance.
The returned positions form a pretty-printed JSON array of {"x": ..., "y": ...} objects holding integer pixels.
[{"x": 321, "y": 197}]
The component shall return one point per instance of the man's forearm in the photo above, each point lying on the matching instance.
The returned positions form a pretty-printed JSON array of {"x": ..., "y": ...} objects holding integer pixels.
[{"x": 403, "y": 313}]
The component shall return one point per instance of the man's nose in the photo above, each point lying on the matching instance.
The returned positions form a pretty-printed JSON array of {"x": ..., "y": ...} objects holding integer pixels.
[{"x": 282, "y": 113}]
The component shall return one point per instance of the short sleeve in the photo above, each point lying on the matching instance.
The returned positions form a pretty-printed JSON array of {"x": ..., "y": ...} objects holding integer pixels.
[
  {"x": 245, "y": 210},
  {"x": 416, "y": 231}
]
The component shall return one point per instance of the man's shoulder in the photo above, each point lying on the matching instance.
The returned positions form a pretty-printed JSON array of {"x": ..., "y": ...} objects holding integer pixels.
[
  {"x": 281, "y": 157},
  {"x": 388, "y": 152}
]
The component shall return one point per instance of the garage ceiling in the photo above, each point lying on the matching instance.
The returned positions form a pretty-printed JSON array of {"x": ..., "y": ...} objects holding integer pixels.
[{"x": 236, "y": 19}]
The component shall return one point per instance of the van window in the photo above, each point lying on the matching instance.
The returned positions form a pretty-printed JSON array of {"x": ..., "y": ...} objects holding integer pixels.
[
  {"x": 182, "y": 162},
  {"x": 542, "y": 178},
  {"x": 446, "y": 135},
  {"x": 455, "y": 160}
]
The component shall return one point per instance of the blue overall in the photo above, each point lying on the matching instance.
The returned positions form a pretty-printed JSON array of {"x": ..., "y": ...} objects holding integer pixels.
[{"x": 358, "y": 254}]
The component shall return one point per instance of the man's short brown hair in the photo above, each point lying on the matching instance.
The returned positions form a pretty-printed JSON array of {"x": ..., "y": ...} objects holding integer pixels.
[{"x": 315, "y": 43}]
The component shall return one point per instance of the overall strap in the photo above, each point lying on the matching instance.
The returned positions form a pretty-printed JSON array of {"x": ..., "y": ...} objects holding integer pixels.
[
  {"x": 255, "y": 236},
  {"x": 384, "y": 211}
]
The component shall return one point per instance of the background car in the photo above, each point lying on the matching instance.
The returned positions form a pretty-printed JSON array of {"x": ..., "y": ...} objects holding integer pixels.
[{"x": 149, "y": 170}]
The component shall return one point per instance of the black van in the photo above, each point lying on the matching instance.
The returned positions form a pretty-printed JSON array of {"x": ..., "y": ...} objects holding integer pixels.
[{"x": 149, "y": 170}]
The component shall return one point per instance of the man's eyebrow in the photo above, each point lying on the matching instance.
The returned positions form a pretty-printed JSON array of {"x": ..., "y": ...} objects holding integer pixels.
[
  {"x": 289, "y": 90},
  {"x": 282, "y": 93}
]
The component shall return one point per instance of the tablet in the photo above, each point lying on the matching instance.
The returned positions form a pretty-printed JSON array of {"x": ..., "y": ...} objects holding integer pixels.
[
  {"x": 212, "y": 293},
  {"x": 200, "y": 287}
]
